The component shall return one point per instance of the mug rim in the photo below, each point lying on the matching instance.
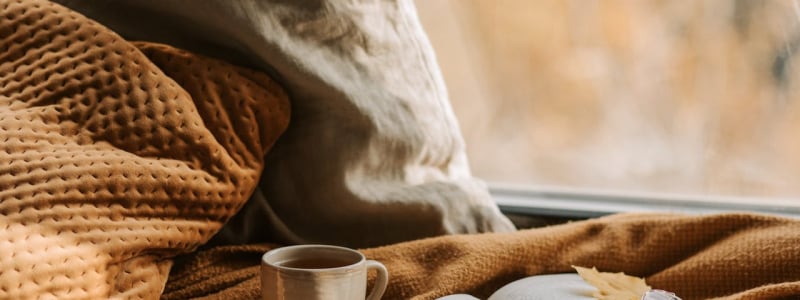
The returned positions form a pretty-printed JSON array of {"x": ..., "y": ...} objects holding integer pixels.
[{"x": 353, "y": 267}]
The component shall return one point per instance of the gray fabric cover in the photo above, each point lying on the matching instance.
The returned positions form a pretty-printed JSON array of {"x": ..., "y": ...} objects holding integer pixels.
[{"x": 373, "y": 154}]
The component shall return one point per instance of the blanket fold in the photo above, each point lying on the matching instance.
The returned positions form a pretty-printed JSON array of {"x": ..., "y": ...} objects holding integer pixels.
[
  {"x": 730, "y": 256},
  {"x": 115, "y": 156}
]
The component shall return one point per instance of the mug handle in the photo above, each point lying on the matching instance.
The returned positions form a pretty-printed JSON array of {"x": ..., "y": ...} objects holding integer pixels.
[{"x": 381, "y": 282}]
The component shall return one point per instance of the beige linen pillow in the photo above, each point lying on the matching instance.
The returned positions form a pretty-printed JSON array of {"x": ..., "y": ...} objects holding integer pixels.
[{"x": 373, "y": 155}]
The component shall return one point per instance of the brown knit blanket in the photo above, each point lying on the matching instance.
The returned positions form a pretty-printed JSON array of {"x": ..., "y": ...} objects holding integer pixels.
[
  {"x": 732, "y": 256},
  {"x": 114, "y": 156}
]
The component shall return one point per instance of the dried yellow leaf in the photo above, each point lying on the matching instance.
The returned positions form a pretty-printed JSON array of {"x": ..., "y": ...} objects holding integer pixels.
[{"x": 613, "y": 286}]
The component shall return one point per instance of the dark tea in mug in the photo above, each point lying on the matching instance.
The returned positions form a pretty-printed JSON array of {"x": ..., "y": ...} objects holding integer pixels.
[{"x": 315, "y": 263}]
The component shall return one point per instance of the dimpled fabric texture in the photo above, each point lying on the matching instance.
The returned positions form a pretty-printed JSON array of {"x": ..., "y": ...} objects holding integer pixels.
[{"x": 115, "y": 156}]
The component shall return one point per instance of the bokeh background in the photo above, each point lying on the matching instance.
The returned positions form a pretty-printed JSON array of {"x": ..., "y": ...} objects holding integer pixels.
[{"x": 670, "y": 96}]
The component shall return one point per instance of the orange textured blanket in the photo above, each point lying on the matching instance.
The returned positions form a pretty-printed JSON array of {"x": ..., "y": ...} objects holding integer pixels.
[
  {"x": 114, "y": 156},
  {"x": 732, "y": 256}
]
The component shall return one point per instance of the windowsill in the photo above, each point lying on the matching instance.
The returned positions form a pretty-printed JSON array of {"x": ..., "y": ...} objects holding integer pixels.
[{"x": 584, "y": 203}]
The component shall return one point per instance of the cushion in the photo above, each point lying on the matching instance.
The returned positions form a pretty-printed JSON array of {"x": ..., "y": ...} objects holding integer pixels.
[
  {"x": 374, "y": 154},
  {"x": 114, "y": 156}
]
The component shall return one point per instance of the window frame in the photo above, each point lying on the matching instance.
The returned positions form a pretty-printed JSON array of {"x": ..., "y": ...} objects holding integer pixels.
[{"x": 564, "y": 202}]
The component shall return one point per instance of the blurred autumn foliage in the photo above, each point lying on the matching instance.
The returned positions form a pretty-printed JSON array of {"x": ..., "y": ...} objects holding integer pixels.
[{"x": 697, "y": 97}]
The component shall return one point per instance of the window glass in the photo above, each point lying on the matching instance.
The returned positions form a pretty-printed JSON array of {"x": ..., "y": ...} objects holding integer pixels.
[{"x": 687, "y": 97}]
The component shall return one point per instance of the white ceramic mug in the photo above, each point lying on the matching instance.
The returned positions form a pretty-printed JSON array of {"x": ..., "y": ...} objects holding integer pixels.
[{"x": 309, "y": 272}]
